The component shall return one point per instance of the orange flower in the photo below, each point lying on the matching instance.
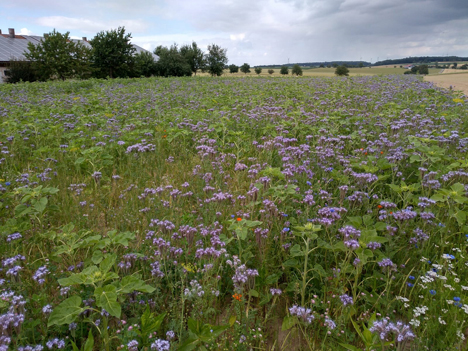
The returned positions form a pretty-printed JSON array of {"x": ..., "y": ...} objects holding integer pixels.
[
  {"x": 239, "y": 219},
  {"x": 381, "y": 152},
  {"x": 238, "y": 297},
  {"x": 164, "y": 136},
  {"x": 379, "y": 206}
]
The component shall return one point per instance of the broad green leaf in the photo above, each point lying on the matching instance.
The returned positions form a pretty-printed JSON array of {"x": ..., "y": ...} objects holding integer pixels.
[
  {"x": 150, "y": 323},
  {"x": 296, "y": 251},
  {"x": 106, "y": 298},
  {"x": 350, "y": 347},
  {"x": 289, "y": 322},
  {"x": 253, "y": 293},
  {"x": 291, "y": 263},
  {"x": 66, "y": 312},
  {"x": 189, "y": 344},
  {"x": 232, "y": 320},
  {"x": 97, "y": 256},
  {"x": 108, "y": 262}
]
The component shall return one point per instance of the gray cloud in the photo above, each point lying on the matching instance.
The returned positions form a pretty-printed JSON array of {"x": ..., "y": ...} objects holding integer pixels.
[{"x": 271, "y": 31}]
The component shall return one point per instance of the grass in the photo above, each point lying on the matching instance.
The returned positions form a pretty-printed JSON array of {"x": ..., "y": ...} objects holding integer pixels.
[{"x": 233, "y": 214}]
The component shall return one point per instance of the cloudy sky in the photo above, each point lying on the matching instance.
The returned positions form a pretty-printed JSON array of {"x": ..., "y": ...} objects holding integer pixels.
[{"x": 262, "y": 31}]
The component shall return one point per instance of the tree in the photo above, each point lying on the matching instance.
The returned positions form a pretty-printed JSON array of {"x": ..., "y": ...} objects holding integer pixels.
[
  {"x": 258, "y": 70},
  {"x": 423, "y": 69},
  {"x": 321, "y": 65},
  {"x": 334, "y": 65},
  {"x": 245, "y": 68},
  {"x": 171, "y": 63},
  {"x": 297, "y": 70},
  {"x": 284, "y": 70},
  {"x": 194, "y": 56},
  {"x": 455, "y": 65},
  {"x": 233, "y": 68},
  {"x": 216, "y": 60},
  {"x": 342, "y": 71},
  {"x": 465, "y": 66},
  {"x": 144, "y": 65},
  {"x": 271, "y": 71},
  {"x": 57, "y": 56},
  {"x": 112, "y": 53},
  {"x": 20, "y": 71},
  {"x": 361, "y": 64}
]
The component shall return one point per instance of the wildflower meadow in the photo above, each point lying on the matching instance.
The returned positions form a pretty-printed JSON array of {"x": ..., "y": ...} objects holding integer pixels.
[{"x": 233, "y": 214}]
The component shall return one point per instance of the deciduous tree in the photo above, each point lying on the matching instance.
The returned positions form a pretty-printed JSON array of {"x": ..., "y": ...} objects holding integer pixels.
[
  {"x": 194, "y": 57},
  {"x": 112, "y": 53},
  {"x": 258, "y": 70},
  {"x": 245, "y": 68},
  {"x": 57, "y": 56},
  {"x": 342, "y": 71},
  {"x": 216, "y": 60},
  {"x": 233, "y": 68},
  {"x": 284, "y": 70},
  {"x": 297, "y": 70}
]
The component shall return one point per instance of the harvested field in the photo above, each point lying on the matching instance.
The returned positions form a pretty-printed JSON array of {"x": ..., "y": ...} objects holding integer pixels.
[{"x": 457, "y": 81}]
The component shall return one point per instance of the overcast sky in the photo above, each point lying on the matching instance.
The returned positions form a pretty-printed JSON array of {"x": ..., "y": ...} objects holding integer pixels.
[{"x": 262, "y": 31}]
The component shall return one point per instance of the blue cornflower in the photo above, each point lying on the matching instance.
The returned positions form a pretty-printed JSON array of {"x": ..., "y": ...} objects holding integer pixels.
[
  {"x": 456, "y": 299},
  {"x": 308, "y": 183},
  {"x": 286, "y": 229},
  {"x": 432, "y": 292},
  {"x": 285, "y": 215},
  {"x": 411, "y": 277},
  {"x": 410, "y": 285},
  {"x": 7, "y": 183},
  {"x": 232, "y": 216}
]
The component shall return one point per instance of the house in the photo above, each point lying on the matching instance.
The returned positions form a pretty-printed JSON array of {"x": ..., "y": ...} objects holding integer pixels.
[{"x": 13, "y": 46}]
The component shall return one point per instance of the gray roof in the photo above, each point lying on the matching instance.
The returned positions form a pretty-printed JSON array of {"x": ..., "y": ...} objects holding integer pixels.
[{"x": 14, "y": 48}]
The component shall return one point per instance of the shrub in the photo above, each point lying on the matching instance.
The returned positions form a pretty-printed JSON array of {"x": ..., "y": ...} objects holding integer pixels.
[
  {"x": 271, "y": 71},
  {"x": 297, "y": 70},
  {"x": 245, "y": 68},
  {"x": 342, "y": 71},
  {"x": 233, "y": 68},
  {"x": 258, "y": 70},
  {"x": 20, "y": 71},
  {"x": 284, "y": 70}
]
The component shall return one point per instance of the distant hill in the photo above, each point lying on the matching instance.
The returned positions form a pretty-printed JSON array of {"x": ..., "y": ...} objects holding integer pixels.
[
  {"x": 317, "y": 64},
  {"x": 420, "y": 59}
]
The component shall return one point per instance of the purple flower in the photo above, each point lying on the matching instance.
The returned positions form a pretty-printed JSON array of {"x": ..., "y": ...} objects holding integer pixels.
[
  {"x": 161, "y": 345},
  {"x": 303, "y": 313},
  {"x": 346, "y": 300}
]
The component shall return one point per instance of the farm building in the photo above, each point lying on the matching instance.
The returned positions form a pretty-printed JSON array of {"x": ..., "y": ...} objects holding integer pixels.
[{"x": 13, "y": 46}]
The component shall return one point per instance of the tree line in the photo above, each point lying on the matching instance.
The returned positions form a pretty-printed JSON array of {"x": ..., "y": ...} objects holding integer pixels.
[{"x": 111, "y": 55}]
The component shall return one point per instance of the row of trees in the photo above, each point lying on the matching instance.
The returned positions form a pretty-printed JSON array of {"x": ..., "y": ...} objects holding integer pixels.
[
  {"x": 112, "y": 55},
  {"x": 245, "y": 68},
  {"x": 421, "y": 69}
]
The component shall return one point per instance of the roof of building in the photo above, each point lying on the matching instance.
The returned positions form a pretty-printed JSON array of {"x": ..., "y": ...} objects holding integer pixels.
[{"x": 14, "y": 48}]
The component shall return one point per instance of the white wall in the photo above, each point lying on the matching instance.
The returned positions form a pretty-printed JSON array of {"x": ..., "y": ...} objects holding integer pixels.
[{"x": 2, "y": 74}]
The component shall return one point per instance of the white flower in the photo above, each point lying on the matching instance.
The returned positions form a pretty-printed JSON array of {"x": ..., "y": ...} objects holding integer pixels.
[
  {"x": 401, "y": 298},
  {"x": 449, "y": 287},
  {"x": 441, "y": 321},
  {"x": 456, "y": 280},
  {"x": 460, "y": 334},
  {"x": 465, "y": 308},
  {"x": 464, "y": 287},
  {"x": 415, "y": 322}
]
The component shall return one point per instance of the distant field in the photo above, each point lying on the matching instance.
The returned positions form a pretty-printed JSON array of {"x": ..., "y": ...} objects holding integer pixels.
[{"x": 457, "y": 81}]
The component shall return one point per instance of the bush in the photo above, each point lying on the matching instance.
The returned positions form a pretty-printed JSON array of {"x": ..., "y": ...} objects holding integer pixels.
[
  {"x": 258, "y": 70},
  {"x": 342, "y": 71},
  {"x": 233, "y": 68},
  {"x": 423, "y": 69},
  {"x": 171, "y": 63},
  {"x": 297, "y": 70},
  {"x": 245, "y": 68},
  {"x": 271, "y": 71},
  {"x": 284, "y": 70},
  {"x": 20, "y": 71}
]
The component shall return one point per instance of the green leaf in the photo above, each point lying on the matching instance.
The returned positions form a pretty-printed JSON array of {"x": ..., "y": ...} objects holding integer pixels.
[
  {"x": 289, "y": 322},
  {"x": 189, "y": 344},
  {"x": 150, "y": 323},
  {"x": 253, "y": 293},
  {"x": 106, "y": 298},
  {"x": 459, "y": 188},
  {"x": 75, "y": 348},
  {"x": 66, "y": 312},
  {"x": 232, "y": 320},
  {"x": 89, "y": 342},
  {"x": 97, "y": 256},
  {"x": 291, "y": 263},
  {"x": 350, "y": 347},
  {"x": 296, "y": 251},
  {"x": 40, "y": 205},
  {"x": 132, "y": 283},
  {"x": 108, "y": 262}
]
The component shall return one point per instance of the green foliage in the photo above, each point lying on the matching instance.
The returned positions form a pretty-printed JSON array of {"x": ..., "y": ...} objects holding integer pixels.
[
  {"x": 423, "y": 69},
  {"x": 112, "y": 53},
  {"x": 245, "y": 68},
  {"x": 194, "y": 56},
  {"x": 284, "y": 70},
  {"x": 171, "y": 62},
  {"x": 271, "y": 71},
  {"x": 297, "y": 70},
  {"x": 233, "y": 68},
  {"x": 342, "y": 71},
  {"x": 201, "y": 334},
  {"x": 144, "y": 65},
  {"x": 216, "y": 59},
  {"x": 20, "y": 71},
  {"x": 258, "y": 70},
  {"x": 58, "y": 57}
]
